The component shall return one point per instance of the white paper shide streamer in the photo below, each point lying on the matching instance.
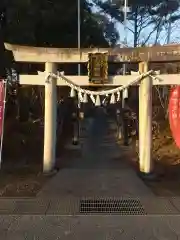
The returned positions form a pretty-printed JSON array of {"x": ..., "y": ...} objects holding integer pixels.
[
  {"x": 85, "y": 98},
  {"x": 125, "y": 93},
  {"x": 113, "y": 100},
  {"x": 93, "y": 99},
  {"x": 80, "y": 97},
  {"x": 118, "y": 96},
  {"x": 73, "y": 93},
  {"x": 98, "y": 101}
]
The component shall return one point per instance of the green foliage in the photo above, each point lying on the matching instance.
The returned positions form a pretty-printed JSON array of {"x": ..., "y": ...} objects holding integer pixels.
[{"x": 53, "y": 23}]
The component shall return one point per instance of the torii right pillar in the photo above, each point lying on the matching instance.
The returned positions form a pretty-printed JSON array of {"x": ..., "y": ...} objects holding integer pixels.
[{"x": 145, "y": 122}]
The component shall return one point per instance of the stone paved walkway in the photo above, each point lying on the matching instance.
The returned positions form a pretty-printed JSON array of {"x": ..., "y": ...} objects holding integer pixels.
[
  {"x": 100, "y": 170},
  {"x": 97, "y": 170}
]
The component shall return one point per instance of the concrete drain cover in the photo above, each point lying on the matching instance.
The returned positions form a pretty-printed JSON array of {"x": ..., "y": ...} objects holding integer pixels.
[{"x": 112, "y": 206}]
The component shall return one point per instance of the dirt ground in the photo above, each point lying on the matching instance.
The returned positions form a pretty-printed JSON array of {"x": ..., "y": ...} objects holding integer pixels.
[
  {"x": 22, "y": 182},
  {"x": 21, "y": 170},
  {"x": 166, "y": 157}
]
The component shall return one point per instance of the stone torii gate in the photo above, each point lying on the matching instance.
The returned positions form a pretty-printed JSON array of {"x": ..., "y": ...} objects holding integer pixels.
[{"x": 143, "y": 56}]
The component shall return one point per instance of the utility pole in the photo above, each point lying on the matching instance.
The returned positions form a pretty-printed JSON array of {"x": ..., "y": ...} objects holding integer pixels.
[
  {"x": 79, "y": 31},
  {"x": 125, "y": 30},
  {"x": 125, "y": 11},
  {"x": 165, "y": 88},
  {"x": 169, "y": 30},
  {"x": 77, "y": 123}
]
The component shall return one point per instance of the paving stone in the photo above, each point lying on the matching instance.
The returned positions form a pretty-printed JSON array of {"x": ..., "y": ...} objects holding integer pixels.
[
  {"x": 67, "y": 206},
  {"x": 6, "y": 221},
  {"x": 95, "y": 227},
  {"x": 5, "y": 224},
  {"x": 161, "y": 230},
  {"x": 175, "y": 201},
  {"x": 31, "y": 227},
  {"x": 7, "y": 206},
  {"x": 35, "y": 206},
  {"x": 173, "y": 223},
  {"x": 159, "y": 205}
]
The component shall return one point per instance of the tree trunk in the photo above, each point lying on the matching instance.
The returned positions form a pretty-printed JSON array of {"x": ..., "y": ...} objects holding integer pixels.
[
  {"x": 135, "y": 26},
  {"x": 2, "y": 54},
  {"x": 5, "y": 56}
]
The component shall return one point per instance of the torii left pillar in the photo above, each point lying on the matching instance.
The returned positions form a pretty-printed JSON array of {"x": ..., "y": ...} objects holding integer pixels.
[{"x": 50, "y": 120}]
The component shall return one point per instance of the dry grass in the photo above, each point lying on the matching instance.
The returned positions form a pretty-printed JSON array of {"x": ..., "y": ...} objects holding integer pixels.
[{"x": 166, "y": 156}]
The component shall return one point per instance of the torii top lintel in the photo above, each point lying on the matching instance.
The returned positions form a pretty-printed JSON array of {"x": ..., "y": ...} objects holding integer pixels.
[{"x": 167, "y": 53}]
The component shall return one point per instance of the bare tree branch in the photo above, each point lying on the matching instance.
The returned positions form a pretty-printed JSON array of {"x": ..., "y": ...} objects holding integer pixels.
[{"x": 150, "y": 34}]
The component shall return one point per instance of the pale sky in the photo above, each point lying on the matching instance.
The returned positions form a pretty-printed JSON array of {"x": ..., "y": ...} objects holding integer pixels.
[{"x": 175, "y": 33}]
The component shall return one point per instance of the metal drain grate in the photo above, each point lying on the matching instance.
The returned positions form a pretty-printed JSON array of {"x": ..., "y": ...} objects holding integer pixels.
[{"x": 112, "y": 206}]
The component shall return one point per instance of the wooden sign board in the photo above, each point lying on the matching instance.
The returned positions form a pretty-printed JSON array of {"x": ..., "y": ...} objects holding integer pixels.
[{"x": 98, "y": 68}]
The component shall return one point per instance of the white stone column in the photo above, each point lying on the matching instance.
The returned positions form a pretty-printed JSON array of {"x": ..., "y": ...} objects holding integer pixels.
[
  {"x": 50, "y": 120},
  {"x": 145, "y": 122}
]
